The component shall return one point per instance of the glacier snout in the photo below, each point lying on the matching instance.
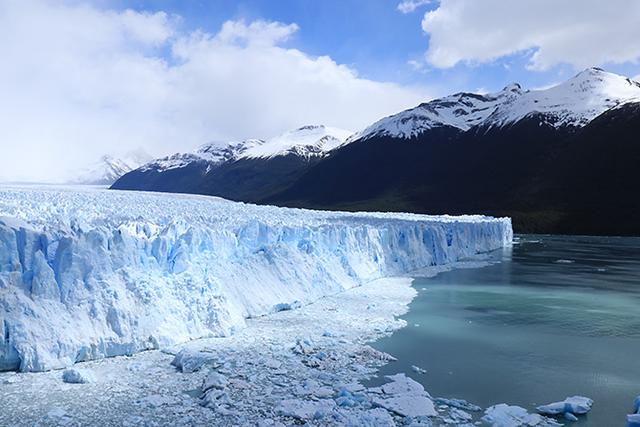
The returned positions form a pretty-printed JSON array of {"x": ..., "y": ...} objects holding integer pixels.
[{"x": 91, "y": 274}]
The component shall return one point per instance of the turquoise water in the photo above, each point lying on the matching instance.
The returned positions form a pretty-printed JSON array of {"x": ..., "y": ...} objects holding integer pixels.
[{"x": 558, "y": 316}]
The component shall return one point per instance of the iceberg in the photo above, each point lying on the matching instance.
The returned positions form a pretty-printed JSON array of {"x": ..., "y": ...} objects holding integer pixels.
[
  {"x": 633, "y": 420},
  {"x": 503, "y": 415},
  {"x": 88, "y": 273},
  {"x": 576, "y": 405}
]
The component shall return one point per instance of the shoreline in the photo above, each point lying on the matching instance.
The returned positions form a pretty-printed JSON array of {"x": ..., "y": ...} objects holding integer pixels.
[{"x": 306, "y": 365}]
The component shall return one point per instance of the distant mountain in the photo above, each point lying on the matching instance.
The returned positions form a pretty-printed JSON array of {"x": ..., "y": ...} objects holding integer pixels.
[
  {"x": 573, "y": 103},
  {"x": 559, "y": 160},
  {"x": 108, "y": 169},
  {"x": 242, "y": 170}
]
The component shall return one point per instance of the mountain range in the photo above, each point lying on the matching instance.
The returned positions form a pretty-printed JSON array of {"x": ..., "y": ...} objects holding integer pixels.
[{"x": 559, "y": 160}]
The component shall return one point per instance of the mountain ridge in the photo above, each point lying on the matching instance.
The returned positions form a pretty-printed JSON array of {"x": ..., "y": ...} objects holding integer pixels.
[{"x": 512, "y": 153}]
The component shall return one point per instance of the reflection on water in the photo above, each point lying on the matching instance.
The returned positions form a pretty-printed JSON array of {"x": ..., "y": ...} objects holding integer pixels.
[{"x": 558, "y": 316}]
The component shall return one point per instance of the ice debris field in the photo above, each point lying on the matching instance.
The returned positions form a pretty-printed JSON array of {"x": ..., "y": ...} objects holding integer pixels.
[{"x": 87, "y": 274}]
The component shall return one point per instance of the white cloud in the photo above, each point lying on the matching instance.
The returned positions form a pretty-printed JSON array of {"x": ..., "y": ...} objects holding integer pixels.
[
  {"x": 577, "y": 32},
  {"x": 409, "y": 6},
  {"x": 78, "y": 82},
  {"x": 416, "y": 65}
]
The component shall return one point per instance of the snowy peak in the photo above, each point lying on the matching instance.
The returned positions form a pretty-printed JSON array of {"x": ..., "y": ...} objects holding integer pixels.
[
  {"x": 233, "y": 150},
  {"x": 306, "y": 141},
  {"x": 573, "y": 103},
  {"x": 461, "y": 110},
  {"x": 513, "y": 88},
  {"x": 214, "y": 153},
  {"x": 109, "y": 168}
]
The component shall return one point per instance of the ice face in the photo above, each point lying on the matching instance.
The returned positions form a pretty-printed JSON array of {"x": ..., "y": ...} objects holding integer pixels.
[{"x": 86, "y": 274}]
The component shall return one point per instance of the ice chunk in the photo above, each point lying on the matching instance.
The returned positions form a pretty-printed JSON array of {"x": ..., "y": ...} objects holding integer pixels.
[
  {"x": 633, "y": 420},
  {"x": 458, "y": 403},
  {"x": 376, "y": 417},
  {"x": 460, "y": 416},
  {"x": 77, "y": 376},
  {"x": 570, "y": 417},
  {"x": 405, "y": 397},
  {"x": 418, "y": 369},
  {"x": 214, "y": 380},
  {"x": 575, "y": 404},
  {"x": 285, "y": 306},
  {"x": 503, "y": 415},
  {"x": 305, "y": 409},
  {"x": 303, "y": 346},
  {"x": 191, "y": 361}
]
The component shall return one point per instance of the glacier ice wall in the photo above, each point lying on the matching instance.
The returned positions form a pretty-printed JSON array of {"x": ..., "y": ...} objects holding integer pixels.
[{"x": 86, "y": 274}]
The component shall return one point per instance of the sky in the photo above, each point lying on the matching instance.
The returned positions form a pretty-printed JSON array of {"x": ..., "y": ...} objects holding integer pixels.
[{"x": 80, "y": 79}]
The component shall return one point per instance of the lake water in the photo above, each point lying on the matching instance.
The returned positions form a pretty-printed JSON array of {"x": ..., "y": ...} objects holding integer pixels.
[{"x": 556, "y": 317}]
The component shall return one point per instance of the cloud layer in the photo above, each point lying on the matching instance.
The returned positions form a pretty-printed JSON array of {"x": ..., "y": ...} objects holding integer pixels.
[
  {"x": 576, "y": 32},
  {"x": 409, "y": 6},
  {"x": 78, "y": 82}
]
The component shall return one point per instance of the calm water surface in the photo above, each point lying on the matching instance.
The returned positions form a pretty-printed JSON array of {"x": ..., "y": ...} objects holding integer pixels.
[{"x": 558, "y": 316}]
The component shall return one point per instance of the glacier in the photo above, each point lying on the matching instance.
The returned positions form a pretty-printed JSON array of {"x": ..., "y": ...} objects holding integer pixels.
[{"x": 90, "y": 273}]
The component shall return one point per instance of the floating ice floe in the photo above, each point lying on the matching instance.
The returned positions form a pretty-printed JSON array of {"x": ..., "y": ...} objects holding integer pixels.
[
  {"x": 457, "y": 403},
  {"x": 406, "y": 397},
  {"x": 633, "y": 420},
  {"x": 576, "y": 405},
  {"x": 503, "y": 415},
  {"x": 418, "y": 369}
]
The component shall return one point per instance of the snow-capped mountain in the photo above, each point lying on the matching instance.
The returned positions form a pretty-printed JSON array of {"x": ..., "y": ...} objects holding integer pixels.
[
  {"x": 108, "y": 169},
  {"x": 238, "y": 170},
  {"x": 305, "y": 142},
  {"x": 573, "y": 103},
  {"x": 213, "y": 153},
  {"x": 560, "y": 160}
]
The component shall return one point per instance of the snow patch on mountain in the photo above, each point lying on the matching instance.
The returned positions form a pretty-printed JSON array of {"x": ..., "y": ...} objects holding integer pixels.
[
  {"x": 573, "y": 103},
  {"x": 213, "y": 154},
  {"x": 86, "y": 274},
  {"x": 307, "y": 141}
]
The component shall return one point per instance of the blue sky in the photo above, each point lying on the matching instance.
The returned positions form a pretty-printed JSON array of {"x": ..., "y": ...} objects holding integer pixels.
[
  {"x": 85, "y": 78},
  {"x": 372, "y": 37}
]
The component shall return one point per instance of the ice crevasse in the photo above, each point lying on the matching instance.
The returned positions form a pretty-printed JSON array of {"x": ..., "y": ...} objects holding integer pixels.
[{"x": 88, "y": 273}]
